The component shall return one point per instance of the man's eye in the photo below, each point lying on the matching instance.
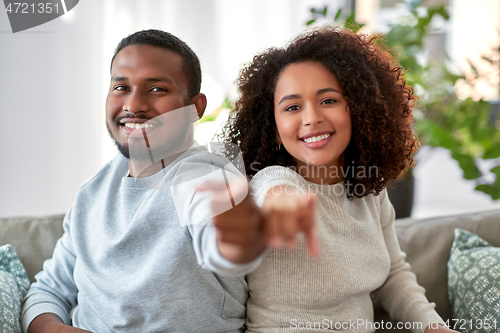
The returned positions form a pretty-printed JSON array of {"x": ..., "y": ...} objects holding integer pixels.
[
  {"x": 120, "y": 88},
  {"x": 328, "y": 101},
  {"x": 157, "y": 89},
  {"x": 292, "y": 108}
]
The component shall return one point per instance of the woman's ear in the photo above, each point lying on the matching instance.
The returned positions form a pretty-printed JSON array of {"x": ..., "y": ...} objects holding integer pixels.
[
  {"x": 278, "y": 138},
  {"x": 200, "y": 102}
]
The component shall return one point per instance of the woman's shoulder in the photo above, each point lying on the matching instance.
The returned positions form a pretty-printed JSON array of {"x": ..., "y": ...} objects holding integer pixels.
[
  {"x": 278, "y": 174},
  {"x": 272, "y": 176}
]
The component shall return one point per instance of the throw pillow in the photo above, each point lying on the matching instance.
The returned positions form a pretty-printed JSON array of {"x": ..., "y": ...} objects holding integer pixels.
[
  {"x": 474, "y": 284},
  {"x": 14, "y": 283}
]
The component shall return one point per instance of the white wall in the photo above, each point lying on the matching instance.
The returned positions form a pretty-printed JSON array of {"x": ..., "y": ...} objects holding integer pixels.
[
  {"x": 476, "y": 31},
  {"x": 50, "y": 111}
]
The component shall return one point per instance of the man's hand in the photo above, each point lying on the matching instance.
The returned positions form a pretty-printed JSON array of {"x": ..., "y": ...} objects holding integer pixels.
[
  {"x": 288, "y": 213},
  {"x": 49, "y": 322},
  {"x": 245, "y": 231},
  {"x": 239, "y": 229}
]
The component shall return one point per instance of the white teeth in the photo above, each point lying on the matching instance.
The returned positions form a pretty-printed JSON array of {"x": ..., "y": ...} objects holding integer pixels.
[
  {"x": 317, "y": 138},
  {"x": 138, "y": 126}
]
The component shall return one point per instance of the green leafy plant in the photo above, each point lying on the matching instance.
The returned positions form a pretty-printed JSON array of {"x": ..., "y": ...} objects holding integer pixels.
[
  {"x": 226, "y": 104},
  {"x": 349, "y": 23},
  {"x": 465, "y": 127}
]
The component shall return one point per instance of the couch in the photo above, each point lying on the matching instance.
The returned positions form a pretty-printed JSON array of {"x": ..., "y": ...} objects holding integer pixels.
[{"x": 427, "y": 243}]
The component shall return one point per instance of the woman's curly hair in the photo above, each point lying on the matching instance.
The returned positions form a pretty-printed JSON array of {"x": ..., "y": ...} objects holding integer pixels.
[{"x": 378, "y": 100}]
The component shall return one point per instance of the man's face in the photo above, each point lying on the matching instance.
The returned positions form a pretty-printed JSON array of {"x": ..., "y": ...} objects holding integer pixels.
[{"x": 146, "y": 82}]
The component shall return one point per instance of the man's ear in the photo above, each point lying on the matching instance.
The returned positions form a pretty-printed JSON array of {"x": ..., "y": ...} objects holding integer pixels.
[{"x": 200, "y": 102}]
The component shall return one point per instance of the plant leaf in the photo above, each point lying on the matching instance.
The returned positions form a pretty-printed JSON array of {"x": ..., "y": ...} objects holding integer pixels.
[
  {"x": 310, "y": 22},
  {"x": 467, "y": 164},
  {"x": 488, "y": 59},
  {"x": 493, "y": 191},
  {"x": 351, "y": 23},
  {"x": 338, "y": 14},
  {"x": 206, "y": 118}
]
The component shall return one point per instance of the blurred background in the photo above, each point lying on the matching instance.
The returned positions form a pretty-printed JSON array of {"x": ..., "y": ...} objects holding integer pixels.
[{"x": 54, "y": 80}]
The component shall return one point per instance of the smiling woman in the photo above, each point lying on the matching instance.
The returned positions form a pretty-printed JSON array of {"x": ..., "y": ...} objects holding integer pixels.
[
  {"x": 324, "y": 124},
  {"x": 312, "y": 119},
  {"x": 336, "y": 84}
]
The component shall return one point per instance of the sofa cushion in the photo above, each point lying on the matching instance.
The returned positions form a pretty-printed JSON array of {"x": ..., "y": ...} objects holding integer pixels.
[
  {"x": 33, "y": 239},
  {"x": 427, "y": 244},
  {"x": 13, "y": 286},
  {"x": 474, "y": 283}
]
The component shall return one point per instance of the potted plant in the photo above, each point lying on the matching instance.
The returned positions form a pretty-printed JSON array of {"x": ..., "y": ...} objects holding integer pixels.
[{"x": 467, "y": 128}]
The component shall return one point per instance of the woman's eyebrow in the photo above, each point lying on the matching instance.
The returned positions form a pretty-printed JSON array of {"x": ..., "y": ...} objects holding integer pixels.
[
  {"x": 287, "y": 97},
  {"x": 322, "y": 91}
]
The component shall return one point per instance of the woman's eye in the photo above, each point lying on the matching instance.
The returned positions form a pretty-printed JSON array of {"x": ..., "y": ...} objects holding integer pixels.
[
  {"x": 292, "y": 108},
  {"x": 328, "y": 101}
]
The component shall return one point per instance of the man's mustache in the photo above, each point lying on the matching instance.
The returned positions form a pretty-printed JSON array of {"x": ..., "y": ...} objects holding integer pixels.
[{"x": 132, "y": 116}]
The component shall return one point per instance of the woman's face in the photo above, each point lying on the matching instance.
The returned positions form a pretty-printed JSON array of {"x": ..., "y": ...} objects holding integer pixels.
[{"x": 312, "y": 120}]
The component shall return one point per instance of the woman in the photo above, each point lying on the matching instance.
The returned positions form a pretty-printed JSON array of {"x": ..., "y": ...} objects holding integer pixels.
[{"x": 323, "y": 125}]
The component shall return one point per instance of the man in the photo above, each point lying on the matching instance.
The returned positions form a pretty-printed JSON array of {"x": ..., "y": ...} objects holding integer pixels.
[{"x": 134, "y": 240}]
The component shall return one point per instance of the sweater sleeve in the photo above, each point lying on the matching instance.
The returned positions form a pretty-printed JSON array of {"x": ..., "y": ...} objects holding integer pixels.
[
  {"x": 195, "y": 211},
  {"x": 54, "y": 290},
  {"x": 400, "y": 295},
  {"x": 273, "y": 176}
]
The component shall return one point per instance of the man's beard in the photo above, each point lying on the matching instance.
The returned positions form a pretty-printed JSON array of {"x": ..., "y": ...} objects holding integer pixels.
[
  {"x": 123, "y": 149},
  {"x": 177, "y": 127}
]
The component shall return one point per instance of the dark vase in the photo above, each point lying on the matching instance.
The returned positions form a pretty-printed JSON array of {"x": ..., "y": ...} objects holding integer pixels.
[{"x": 401, "y": 193}]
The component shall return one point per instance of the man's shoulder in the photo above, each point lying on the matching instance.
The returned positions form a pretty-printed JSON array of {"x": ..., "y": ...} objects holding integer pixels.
[
  {"x": 199, "y": 159},
  {"x": 113, "y": 171},
  {"x": 198, "y": 165}
]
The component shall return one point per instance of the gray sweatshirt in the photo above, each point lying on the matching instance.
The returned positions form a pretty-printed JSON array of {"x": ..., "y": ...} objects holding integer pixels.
[{"x": 127, "y": 263}]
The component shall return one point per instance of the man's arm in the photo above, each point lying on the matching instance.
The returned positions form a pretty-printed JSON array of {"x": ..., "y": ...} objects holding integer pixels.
[
  {"x": 54, "y": 292},
  {"x": 49, "y": 322},
  {"x": 246, "y": 230},
  {"x": 229, "y": 230}
]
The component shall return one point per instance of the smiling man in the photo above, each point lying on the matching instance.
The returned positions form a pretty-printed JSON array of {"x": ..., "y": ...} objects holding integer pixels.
[{"x": 137, "y": 233}]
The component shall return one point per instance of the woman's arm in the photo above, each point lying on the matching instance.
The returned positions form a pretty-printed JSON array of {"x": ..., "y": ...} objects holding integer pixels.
[{"x": 400, "y": 295}]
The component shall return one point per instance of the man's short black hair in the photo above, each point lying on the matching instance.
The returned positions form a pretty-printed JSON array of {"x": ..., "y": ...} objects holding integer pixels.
[{"x": 191, "y": 63}]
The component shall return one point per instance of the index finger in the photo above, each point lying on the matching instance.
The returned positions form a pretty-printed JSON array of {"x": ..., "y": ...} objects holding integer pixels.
[{"x": 308, "y": 225}]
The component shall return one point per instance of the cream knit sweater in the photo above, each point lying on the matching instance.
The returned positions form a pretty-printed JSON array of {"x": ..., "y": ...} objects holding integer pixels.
[{"x": 360, "y": 261}]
